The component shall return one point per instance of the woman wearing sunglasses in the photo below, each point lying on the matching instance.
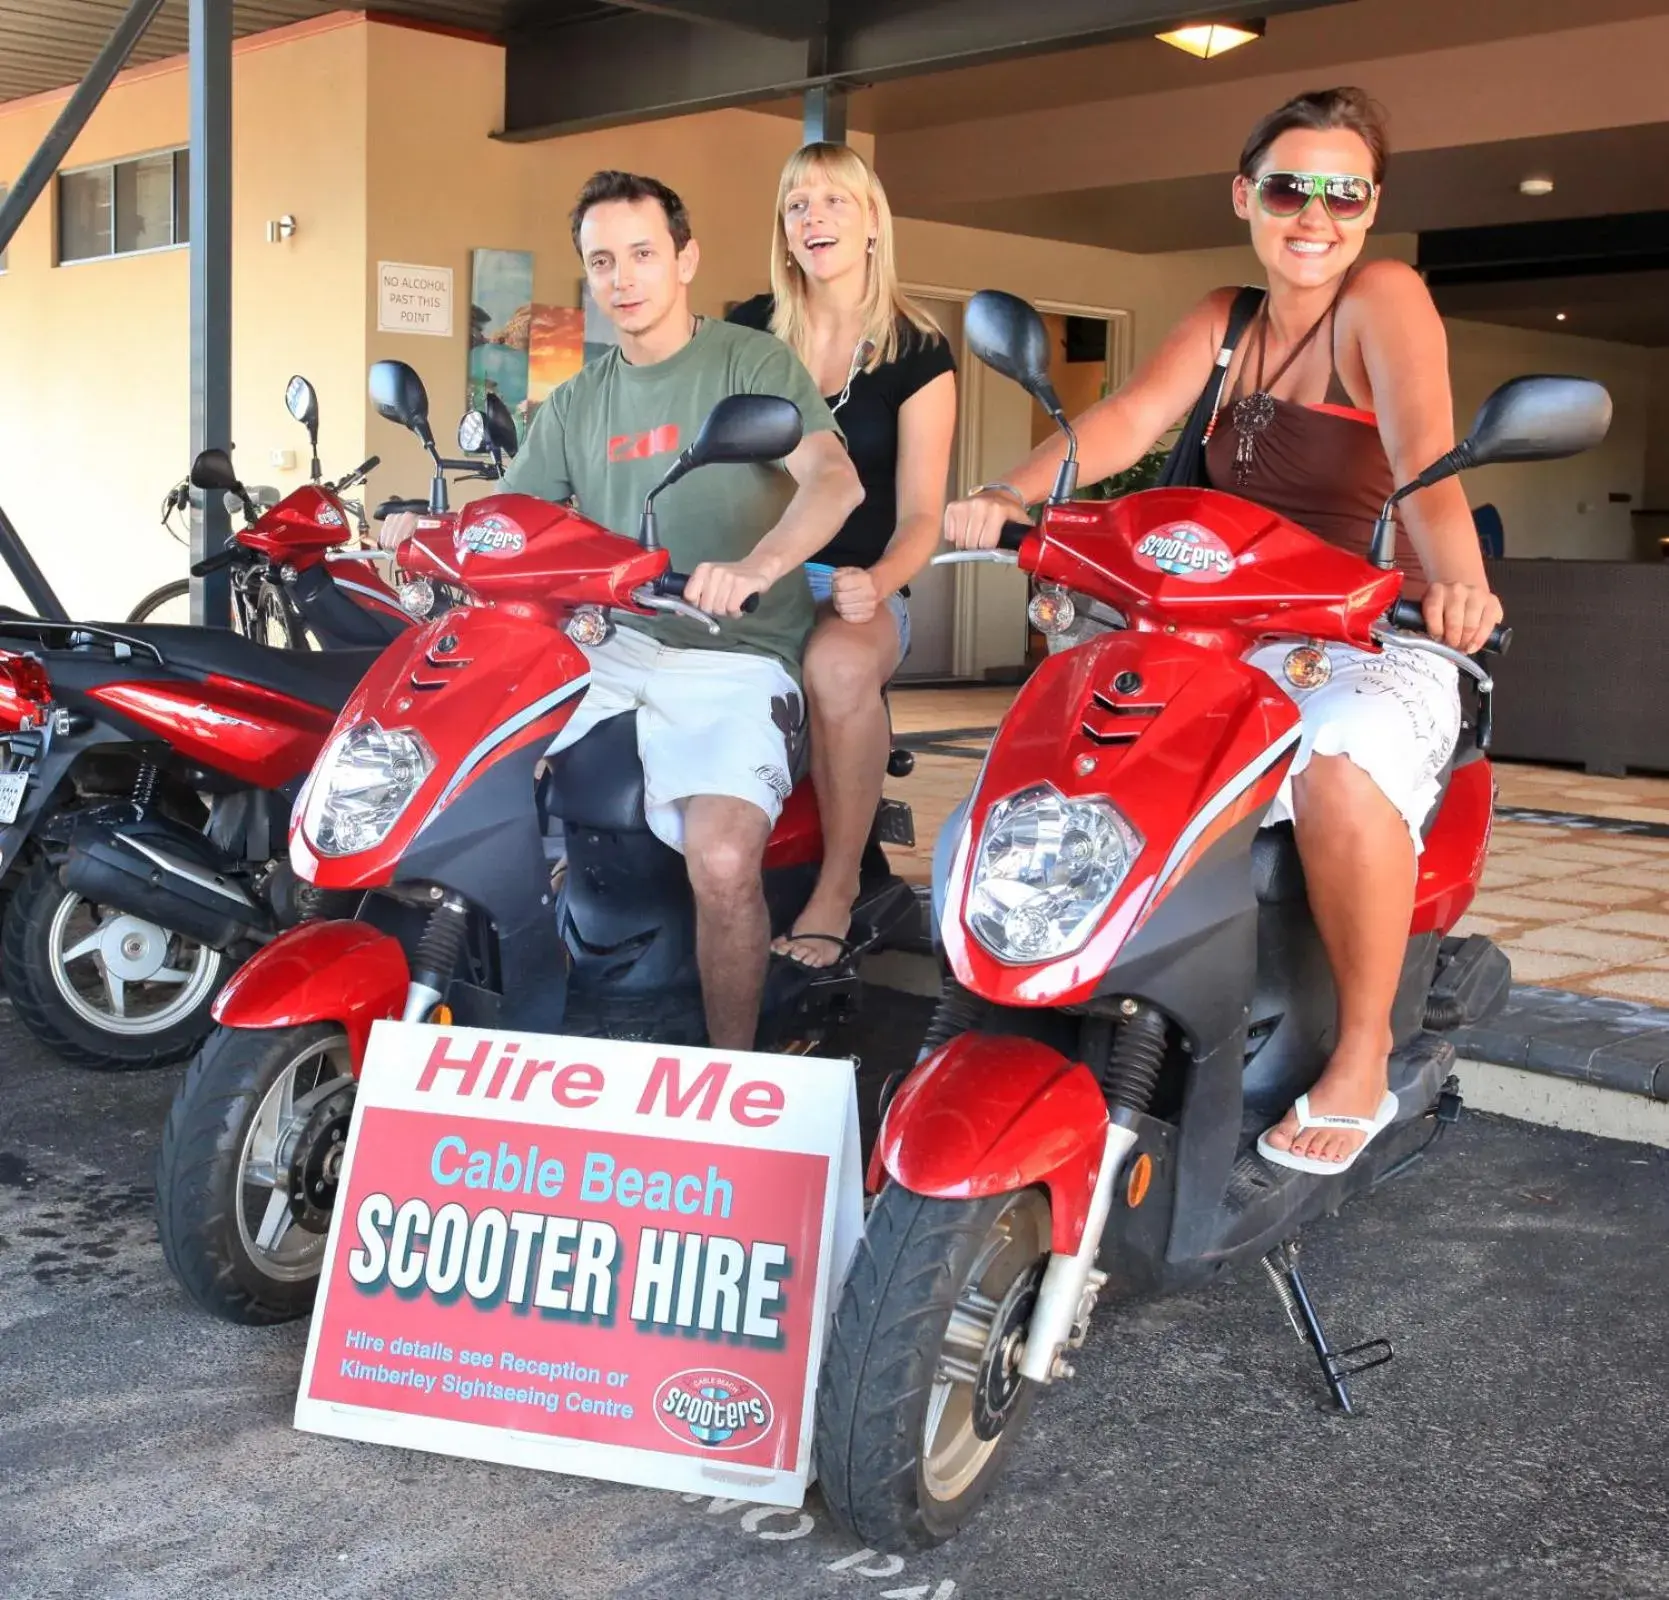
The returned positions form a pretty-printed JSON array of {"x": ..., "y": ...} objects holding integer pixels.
[{"x": 1337, "y": 390}]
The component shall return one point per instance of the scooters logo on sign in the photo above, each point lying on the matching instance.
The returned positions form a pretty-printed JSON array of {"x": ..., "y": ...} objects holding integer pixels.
[
  {"x": 1186, "y": 550},
  {"x": 490, "y": 536},
  {"x": 719, "y": 1410}
]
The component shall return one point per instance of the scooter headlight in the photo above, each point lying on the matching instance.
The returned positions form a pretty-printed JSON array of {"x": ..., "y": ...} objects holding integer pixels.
[
  {"x": 366, "y": 779},
  {"x": 1046, "y": 870}
]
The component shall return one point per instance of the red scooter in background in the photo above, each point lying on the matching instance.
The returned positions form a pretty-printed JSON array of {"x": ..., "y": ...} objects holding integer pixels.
[
  {"x": 426, "y": 803},
  {"x": 1137, "y": 989},
  {"x": 143, "y": 810}
]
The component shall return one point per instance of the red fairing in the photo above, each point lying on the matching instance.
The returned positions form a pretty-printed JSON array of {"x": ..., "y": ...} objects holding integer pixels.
[
  {"x": 1210, "y": 564},
  {"x": 1201, "y": 745},
  {"x": 1452, "y": 863},
  {"x": 300, "y": 528},
  {"x": 344, "y": 972},
  {"x": 797, "y": 839},
  {"x": 520, "y": 551},
  {"x": 474, "y": 686},
  {"x": 25, "y": 691},
  {"x": 265, "y": 738},
  {"x": 987, "y": 1115}
]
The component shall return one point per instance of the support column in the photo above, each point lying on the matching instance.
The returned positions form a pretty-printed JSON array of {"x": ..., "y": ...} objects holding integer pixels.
[
  {"x": 211, "y": 285},
  {"x": 825, "y": 115}
]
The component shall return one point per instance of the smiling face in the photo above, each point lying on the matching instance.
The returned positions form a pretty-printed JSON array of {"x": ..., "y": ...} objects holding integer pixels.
[
  {"x": 1312, "y": 249},
  {"x": 637, "y": 274},
  {"x": 828, "y": 227}
]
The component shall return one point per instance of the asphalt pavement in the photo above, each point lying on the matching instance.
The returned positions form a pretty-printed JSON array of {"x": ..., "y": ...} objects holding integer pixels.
[{"x": 1515, "y": 1447}]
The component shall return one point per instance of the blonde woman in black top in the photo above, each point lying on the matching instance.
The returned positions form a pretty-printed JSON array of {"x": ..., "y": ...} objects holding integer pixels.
[{"x": 888, "y": 374}]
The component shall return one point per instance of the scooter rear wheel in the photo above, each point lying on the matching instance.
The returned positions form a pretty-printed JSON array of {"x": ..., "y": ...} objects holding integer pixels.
[
  {"x": 247, "y": 1175},
  {"x": 920, "y": 1397}
]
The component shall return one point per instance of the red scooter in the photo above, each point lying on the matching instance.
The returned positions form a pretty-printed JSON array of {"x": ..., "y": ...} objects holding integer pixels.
[
  {"x": 433, "y": 801},
  {"x": 1136, "y": 986}
]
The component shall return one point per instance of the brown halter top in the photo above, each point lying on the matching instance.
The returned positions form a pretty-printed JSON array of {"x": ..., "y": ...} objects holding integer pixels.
[{"x": 1322, "y": 466}]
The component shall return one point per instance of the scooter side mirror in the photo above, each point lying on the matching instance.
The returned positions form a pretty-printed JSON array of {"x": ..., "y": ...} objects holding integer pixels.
[
  {"x": 746, "y": 428},
  {"x": 472, "y": 432},
  {"x": 501, "y": 426},
  {"x": 303, "y": 404},
  {"x": 1009, "y": 336},
  {"x": 398, "y": 395},
  {"x": 213, "y": 470}
]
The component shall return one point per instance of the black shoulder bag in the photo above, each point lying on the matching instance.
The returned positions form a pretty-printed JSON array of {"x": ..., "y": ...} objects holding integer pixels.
[{"x": 1185, "y": 465}]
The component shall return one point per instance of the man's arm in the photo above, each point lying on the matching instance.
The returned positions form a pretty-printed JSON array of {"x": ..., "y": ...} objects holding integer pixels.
[{"x": 828, "y": 493}]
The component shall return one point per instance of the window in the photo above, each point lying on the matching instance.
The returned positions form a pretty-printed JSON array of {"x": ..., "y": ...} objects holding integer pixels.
[{"x": 124, "y": 207}]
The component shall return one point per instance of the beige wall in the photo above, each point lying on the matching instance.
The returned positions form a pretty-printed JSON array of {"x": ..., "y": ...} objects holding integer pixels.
[{"x": 94, "y": 386}]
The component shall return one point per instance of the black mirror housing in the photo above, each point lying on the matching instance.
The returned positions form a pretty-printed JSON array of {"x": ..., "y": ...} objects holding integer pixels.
[
  {"x": 744, "y": 428},
  {"x": 398, "y": 395},
  {"x": 1538, "y": 419},
  {"x": 501, "y": 426},
  {"x": 213, "y": 470},
  {"x": 1008, "y": 335},
  {"x": 302, "y": 402}
]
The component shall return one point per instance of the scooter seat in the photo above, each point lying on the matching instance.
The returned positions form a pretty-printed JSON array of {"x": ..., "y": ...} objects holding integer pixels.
[
  {"x": 597, "y": 782},
  {"x": 319, "y": 677}
]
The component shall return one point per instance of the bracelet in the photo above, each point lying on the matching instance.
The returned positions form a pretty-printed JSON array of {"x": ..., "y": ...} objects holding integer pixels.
[{"x": 1004, "y": 488}]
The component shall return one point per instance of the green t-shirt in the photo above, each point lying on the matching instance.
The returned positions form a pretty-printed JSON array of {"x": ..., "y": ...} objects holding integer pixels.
[{"x": 607, "y": 436}]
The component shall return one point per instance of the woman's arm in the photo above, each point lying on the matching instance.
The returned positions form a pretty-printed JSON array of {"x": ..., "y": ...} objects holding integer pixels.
[
  {"x": 1114, "y": 433},
  {"x": 926, "y": 432},
  {"x": 1406, "y": 354}
]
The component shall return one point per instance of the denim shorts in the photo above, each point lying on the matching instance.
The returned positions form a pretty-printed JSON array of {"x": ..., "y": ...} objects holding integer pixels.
[{"x": 821, "y": 579}]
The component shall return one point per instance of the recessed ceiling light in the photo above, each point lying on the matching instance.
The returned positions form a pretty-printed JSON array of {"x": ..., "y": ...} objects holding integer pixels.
[
  {"x": 1208, "y": 39},
  {"x": 1536, "y": 186},
  {"x": 1559, "y": 316}
]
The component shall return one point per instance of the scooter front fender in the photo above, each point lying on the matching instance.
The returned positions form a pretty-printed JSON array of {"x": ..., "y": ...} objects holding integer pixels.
[
  {"x": 987, "y": 1114},
  {"x": 342, "y": 972}
]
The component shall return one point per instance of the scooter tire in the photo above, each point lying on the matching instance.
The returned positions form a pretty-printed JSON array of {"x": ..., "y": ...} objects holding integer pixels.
[
  {"x": 198, "y": 1173},
  {"x": 26, "y": 957},
  {"x": 880, "y": 1365}
]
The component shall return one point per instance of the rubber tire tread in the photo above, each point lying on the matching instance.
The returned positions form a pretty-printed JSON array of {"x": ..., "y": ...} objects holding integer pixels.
[
  {"x": 179, "y": 589},
  {"x": 878, "y": 1369},
  {"x": 196, "y": 1174},
  {"x": 42, "y": 1010}
]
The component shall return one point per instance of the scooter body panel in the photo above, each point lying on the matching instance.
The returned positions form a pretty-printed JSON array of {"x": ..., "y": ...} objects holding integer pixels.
[{"x": 344, "y": 972}]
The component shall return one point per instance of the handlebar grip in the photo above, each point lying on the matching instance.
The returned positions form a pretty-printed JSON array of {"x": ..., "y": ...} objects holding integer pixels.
[
  {"x": 1407, "y": 615},
  {"x": 1013, "y": 535},
  {"x": 221, "y": 558},
  {"x": 671, "y": 584},
  {"x": 395, "y": 504}
]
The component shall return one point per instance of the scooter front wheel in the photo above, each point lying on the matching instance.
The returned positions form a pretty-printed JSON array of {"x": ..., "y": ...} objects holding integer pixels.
[
  {"x": 247, "y": 1176},
  {"x": 921, "y": 1395}
]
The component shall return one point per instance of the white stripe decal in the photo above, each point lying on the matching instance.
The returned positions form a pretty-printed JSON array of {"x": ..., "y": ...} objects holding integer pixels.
[
  {"x": 502, "y": 732},
  {"x": 1222, "y": 800}
]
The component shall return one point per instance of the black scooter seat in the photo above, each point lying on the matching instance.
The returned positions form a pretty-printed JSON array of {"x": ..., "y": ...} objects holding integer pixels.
[{"x": 320, "y": 677}]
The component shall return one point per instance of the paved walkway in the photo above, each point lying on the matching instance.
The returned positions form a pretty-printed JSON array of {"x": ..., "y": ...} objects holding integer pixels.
[{"x": 1573, "y": 907}]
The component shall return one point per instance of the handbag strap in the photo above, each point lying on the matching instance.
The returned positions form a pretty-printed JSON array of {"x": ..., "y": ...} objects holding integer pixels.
[{"x": 1246, "y": 305}]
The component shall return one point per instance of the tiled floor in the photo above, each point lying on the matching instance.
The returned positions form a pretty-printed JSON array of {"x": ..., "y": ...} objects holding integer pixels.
[{"x": 1574, "y": 908}]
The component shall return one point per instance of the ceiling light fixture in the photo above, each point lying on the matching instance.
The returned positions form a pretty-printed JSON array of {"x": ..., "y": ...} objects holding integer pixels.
[
  {"x": 1536, "y": 187},
  {"x": 1558, "y": 316},
  {"x": 1209, "y": 39}
]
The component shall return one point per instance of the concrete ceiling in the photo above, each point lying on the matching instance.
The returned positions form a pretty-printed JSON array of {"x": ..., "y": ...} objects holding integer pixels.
[{"x": 1627, "y": 307}]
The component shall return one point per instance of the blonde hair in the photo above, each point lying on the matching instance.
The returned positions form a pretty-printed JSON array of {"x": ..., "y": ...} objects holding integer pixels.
[{"x": 884, "y": 303}]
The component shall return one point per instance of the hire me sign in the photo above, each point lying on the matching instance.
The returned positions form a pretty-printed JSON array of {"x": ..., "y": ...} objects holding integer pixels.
[{"x": 588, "y": 1256}]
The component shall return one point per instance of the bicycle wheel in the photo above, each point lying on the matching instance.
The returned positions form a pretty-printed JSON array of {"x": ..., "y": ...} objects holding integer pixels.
[{"x": 170, "y": 603}]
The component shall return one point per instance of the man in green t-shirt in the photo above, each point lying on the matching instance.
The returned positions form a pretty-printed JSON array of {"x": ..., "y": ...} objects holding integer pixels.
[{"x": 718, "y": 718}]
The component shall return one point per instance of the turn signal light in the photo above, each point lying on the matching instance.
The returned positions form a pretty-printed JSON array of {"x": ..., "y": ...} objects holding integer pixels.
[{"x": 1139, "y": 1182}]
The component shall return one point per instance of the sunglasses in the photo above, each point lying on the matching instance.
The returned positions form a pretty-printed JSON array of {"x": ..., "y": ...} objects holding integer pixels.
[{"x": 1285, "y": 194}]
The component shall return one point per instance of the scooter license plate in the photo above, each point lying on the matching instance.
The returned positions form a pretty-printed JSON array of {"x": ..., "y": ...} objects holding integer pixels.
[{"x": 13, "y": 786}]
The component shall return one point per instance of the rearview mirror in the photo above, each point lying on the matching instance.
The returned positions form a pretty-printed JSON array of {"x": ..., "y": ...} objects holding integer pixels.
[
  {"x": 213, "y": 470},
  {"x": 303, "y": 403},
  {"x": 398, "y": 395},
  {"x": 746, "y": 428},
  {"x": 501, "y": 426},
  {"x": 1008, "y": 335},
  {"x": 1538, "y": 419},
  {"x": 472, "y": 432}
]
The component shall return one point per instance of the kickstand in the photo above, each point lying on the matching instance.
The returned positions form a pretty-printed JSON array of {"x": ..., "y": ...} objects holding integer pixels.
[{"x": 1336, "y": 1365}]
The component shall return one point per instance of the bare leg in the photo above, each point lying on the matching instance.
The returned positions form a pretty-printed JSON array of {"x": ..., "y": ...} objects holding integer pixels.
[
  {"x": 1359, "y": 866},
  {"x": 724, "y": 849},
  {"x": 847, "y": 665}
]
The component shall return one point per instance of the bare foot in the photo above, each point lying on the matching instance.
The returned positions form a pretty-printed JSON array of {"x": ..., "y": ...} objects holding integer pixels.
[
  {"x": 1353, "y": 1085},
  {"x": 819, "y": 933}
]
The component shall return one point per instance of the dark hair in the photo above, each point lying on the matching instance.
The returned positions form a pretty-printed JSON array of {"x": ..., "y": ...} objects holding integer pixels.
[
  {"x": 602, "y": 187},
  {"x": 1320, "y": 110}
]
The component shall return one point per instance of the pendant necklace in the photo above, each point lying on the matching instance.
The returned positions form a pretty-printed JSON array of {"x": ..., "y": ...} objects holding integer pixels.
[{"x": 1252, "y": 413}]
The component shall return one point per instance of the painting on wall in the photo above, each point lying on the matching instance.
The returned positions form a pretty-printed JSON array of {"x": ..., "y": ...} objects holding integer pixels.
[
  {"x": 500, "y": 323},
  {"x": 600, "y": 335},
  {"x": 556, "y": 350}
]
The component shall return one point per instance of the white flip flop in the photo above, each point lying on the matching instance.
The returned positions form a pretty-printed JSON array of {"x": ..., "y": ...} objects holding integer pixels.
[{"x": 1376, "y": 1124}]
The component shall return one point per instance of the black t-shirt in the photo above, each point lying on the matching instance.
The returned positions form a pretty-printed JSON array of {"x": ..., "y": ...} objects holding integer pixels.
[{"x": 869, "y": 419}]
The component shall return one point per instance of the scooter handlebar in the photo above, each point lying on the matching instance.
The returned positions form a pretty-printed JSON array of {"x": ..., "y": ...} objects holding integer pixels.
[
  {"x": 1013, "y": 535},
  {"x": 221, "y": 558},
  {"x": 671, "y": 584},
  {"x": 1407, "y": 616}
]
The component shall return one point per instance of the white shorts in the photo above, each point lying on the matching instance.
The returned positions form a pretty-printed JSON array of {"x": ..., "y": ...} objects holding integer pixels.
[
  {"x": 1395, "y": 715},
  {"x": 723, "y": 722}
]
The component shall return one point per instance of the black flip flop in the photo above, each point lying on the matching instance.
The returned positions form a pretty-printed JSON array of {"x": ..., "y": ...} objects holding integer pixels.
[{"x": 827, "y": 938}]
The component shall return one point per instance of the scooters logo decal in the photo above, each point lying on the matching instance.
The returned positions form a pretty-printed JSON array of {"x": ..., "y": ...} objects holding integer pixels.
[
  {"x": 489, "y": 536},
  {"x": 715, "y": 1409},
  {"x": 330, "y": 517},
  {"x": 1185, "y": 550}
]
